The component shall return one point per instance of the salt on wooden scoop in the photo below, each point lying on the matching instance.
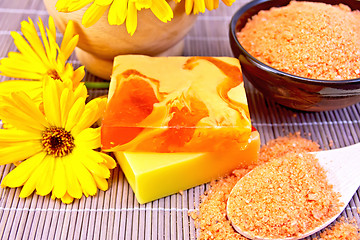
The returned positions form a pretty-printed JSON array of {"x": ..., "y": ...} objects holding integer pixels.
[{"x": 342, "y": 167}]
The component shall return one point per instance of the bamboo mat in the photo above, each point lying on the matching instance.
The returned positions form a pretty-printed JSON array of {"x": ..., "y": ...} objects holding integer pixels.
[{"x": 115, "y": 214}]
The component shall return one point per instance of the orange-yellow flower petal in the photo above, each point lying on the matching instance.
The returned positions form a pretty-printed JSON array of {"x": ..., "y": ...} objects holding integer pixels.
[
  {"x": 18, "y": 176},
  {"x": 189, "y": 6},
  {"x": 85, "y": 178},
  {"x": 109, "y": 161},
  {"x": 32, "y": 88},
  {"x": 89, "y": 138},
  {"x": 73, "y": 185},
  {"x": 19, "y": 152},
  {"x": 131, "y": 20},
  {"x": 93, "y": 111},
  {"x": 45, "y": 182},
  {"x": 162, "y": 10},
  {"x": 103, "y": 2},
  {"x": 52, "y": 104},
  {"x": 211, "y": 4},
  {"x": 93, "y": 14},
  {"x": 101, "y": 183},
  {"x": 60, "y": 182},
  {"x": 228, "y": 2},
  {"x": 75, "y": 113},
  {"x": 117, "y": 12},
  {"x": 18, "y": 136},
  {"x": 67, "y": 198},
  {"x": 91, "y": 160},
  {"x": 70, "y": 40},
  {"x": 30, "y": 184},
  {"x": 20, "y": 111}
]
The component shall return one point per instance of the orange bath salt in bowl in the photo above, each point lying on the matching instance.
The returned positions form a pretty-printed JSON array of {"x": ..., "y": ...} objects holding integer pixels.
[
  {"x": 307, "y": 39},
  {"x": 176, "y": 104},
  {"x": 303, "y": 55}
]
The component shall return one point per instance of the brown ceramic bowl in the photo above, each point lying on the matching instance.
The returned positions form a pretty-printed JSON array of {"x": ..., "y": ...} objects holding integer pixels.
[{"x": 289, "y": 90}]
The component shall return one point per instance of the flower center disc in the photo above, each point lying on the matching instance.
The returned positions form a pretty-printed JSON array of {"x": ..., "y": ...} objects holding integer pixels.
[
  {"x": 54, "y": 74},
  {"x": 57, "y": 141}
]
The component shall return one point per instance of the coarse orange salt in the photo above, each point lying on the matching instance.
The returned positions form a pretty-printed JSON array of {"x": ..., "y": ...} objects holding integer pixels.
[
  {"x": 343, "y": 229},
  {"x": 211, "y": 219},
  {"x": 308, "y": 39},
  {"x": 283, "y": 198}
]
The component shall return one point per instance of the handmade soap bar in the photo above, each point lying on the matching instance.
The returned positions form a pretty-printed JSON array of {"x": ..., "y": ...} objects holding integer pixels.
[
  {"x": 176, "y": 104},
  {"x": 177, "y": 122},
  {"x": 156, "y": 175}
]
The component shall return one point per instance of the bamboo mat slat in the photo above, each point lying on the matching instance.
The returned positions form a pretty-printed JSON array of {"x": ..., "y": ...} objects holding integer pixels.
[{"x": 115, "y": 214}]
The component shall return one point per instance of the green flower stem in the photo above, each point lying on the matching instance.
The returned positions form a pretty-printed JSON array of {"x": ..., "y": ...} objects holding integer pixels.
[{"x": 97, "y": 85}]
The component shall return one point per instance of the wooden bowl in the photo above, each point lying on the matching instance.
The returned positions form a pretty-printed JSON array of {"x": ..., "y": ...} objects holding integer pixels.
[{"x": 100, "y": 43}]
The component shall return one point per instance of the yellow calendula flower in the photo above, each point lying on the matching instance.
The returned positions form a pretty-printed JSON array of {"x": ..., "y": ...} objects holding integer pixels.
[
  {"x": 55, "y": 145},
  {"x": 42, "y": 56},
  {"x": 119, "y": 11},
  {"x": 199, "y": 6},
  {"x": 32, "y": 88},
  {"x": 39, "y": 57}
]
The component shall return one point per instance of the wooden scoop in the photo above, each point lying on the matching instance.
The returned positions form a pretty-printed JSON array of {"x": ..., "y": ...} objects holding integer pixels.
[{"x": 343, "y": 172}]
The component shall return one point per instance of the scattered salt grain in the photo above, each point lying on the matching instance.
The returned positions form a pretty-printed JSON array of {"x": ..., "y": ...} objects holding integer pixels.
[{"x": 211, "y": 219}]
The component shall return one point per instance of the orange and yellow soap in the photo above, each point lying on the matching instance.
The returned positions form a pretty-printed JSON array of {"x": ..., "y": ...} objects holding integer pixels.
[
  {"x": 156, "y": 175},
  {"x": 177, "y": 122}
]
